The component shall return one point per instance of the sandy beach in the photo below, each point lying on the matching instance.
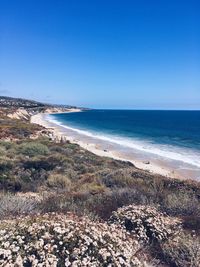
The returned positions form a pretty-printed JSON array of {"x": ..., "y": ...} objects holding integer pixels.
[{"x": 97, "y": 147}]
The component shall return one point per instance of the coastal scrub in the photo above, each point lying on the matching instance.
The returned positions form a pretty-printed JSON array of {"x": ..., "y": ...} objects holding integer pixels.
[
  {"x": 65, "y": 240},
  {"x": 146, "y": 223}
]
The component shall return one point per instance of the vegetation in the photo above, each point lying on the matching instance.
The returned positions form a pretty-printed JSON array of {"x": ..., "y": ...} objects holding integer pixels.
[
  {"x": 65, "y": 241},
  {"x": 39, "y": 176},
  {"x": 184, "y": 250},
  {"x": 146, "y": 223},
  {"x": 13, "y": 129},
  {"x": 32, "y": 149}
]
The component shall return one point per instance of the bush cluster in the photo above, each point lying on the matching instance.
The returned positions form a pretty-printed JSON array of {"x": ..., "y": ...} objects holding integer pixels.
[
  {"x": 13, "y": 129},
  {"x": 65, "y": 240},
  {"x": 33, "y": 149},
  {"x": 146, "y": 223},
  {"x": 59, "y": 181}
]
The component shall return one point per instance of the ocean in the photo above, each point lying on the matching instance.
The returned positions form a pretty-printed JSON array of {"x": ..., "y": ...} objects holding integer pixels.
[{"x": 172, "y": 135}]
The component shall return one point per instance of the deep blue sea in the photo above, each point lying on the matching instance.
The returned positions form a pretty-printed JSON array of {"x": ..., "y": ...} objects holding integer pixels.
[{"x": 171, "y": 134}]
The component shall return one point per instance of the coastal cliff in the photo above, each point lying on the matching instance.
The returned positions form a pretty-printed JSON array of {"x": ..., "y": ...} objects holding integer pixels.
[
  {"x": 17, "y": 108},
  {"x": 16, "y": 113}
]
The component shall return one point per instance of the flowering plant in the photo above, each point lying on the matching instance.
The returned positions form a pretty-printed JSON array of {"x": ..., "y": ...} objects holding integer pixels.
[
  {"x": 145, "y": 222},
  {"x": 65, "y": 240}
]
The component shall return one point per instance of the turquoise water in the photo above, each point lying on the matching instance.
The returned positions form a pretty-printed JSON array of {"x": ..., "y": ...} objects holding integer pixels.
[{"x": 171, "y": 134}]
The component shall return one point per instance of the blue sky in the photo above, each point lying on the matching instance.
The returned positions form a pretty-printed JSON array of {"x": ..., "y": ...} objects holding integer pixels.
[{"x": 102, "y": 53}]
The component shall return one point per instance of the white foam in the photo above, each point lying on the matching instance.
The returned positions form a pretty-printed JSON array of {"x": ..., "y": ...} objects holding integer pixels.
[{"x": 167, "y": 151}]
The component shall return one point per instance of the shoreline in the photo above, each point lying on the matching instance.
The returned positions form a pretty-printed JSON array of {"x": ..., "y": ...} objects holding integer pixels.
[{"x": 59, "y": 133}]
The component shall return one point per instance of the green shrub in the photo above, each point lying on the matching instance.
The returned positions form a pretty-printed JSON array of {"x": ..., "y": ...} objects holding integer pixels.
[
  {"x": 57, "y": 149},
  {"x": 59, "y": 181},
  {"x": 157, "y": 188},
  {"x": 39, "y": 164},
  {"x": 69, "y": 172},
  {"x": 6, "y": 144},
  {"x": 2, "y": 151},
  {"x": 5, "y": 165},
  {"x": 93, "y": 188},
  {"x": 119, "y": 178},
  {"x": 33, "y": 149}
]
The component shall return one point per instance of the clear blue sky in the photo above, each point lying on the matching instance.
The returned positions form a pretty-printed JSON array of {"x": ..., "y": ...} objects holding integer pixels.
[{"x": 102, "y": 53}]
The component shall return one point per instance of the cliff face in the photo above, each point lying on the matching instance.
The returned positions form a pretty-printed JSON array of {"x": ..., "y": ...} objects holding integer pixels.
[
  {"x": 17, "y": 108},
  {"x": 25, "y": 113},
  {"x": 22, "y": 109},
  {"x": 20, "y": 113},
  {"x": 15, "y": 115}
]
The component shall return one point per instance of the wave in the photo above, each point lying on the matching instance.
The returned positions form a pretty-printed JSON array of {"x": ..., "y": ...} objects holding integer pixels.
[{"x": 187, "y": 156}]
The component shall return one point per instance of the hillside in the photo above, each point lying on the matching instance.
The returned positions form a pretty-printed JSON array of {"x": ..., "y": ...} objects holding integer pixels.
[
  {"x": 23, "y": 109},
  {"x": 15, "y": 114},
  {"x": 11, "y": 102},
  {"x": 61, "y": 205}
]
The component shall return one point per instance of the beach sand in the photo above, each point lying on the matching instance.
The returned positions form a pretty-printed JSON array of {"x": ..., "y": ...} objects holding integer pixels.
[{"x": 99, "y": 148}]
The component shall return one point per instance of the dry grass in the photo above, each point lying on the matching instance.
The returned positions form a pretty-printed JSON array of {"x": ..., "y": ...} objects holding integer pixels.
[
  {"x": 13, "y": 205},
  {"x": 183, "y": 251},
  {"x": 59, "y": 181}
]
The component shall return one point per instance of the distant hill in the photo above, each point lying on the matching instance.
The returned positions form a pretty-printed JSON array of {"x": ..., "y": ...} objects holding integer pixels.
[
  {"x": 12, "y": 102},
  {"x": 6, "y": 101}
]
